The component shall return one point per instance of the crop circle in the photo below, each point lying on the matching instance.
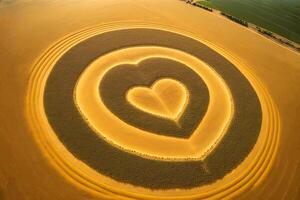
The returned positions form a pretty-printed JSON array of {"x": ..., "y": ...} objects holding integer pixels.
[{"x": 65, "y": 135}]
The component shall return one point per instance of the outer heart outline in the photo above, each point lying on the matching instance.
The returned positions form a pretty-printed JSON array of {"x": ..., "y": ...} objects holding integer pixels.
[{"x": 202, "y": 141}]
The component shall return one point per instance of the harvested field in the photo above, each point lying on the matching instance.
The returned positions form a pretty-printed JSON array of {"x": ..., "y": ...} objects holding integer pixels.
[{"x": 105, "y": 106}]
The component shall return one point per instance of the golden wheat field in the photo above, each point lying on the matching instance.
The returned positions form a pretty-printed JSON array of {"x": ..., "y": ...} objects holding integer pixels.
[{"x": 146, "y": 100}]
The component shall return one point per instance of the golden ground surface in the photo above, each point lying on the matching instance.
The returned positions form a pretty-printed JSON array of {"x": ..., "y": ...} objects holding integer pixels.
[{"x": 29, "y": 29}]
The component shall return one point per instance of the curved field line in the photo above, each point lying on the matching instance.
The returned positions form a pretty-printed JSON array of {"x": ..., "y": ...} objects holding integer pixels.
[{"x": 251, "y": 176}]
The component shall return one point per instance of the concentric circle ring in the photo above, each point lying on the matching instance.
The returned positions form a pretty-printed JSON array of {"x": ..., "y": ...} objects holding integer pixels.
[{"x": 248, "y": 177}]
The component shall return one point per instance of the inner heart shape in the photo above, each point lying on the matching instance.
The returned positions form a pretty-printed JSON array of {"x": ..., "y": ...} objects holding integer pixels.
[{"x": 166, "y": 98}]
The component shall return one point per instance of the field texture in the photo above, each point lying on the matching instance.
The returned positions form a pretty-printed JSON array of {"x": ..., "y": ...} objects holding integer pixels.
[
  {"x": 150, "y": 100},
  {"x": 279, "y": 16}
]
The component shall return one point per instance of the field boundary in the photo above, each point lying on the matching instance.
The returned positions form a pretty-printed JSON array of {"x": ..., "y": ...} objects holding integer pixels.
[{"x": 262, "y": 31}]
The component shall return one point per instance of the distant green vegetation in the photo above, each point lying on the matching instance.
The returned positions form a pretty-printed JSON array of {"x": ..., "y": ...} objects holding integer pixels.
[
  {"x": 270, "y": 34},
  {"x": 202, "y": 6},
  {"x": 235, "y": 19},
  {"x": 265, "y": 32},
  {"x": 278, "y": 16}
]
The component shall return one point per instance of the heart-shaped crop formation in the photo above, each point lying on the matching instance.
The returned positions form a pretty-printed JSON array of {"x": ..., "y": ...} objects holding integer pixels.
[
  {"x": 87, "y": 108},
  {"x": 154, "y": 94},
  {"x": 166, "y": 98},
  {"x": 150, "y": 105}
]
